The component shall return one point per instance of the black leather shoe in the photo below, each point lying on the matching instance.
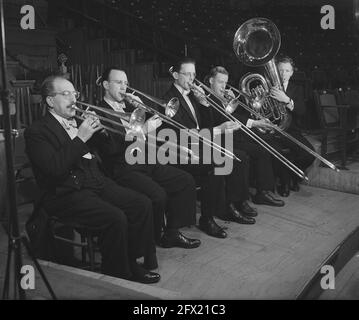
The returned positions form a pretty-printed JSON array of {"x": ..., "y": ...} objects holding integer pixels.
[
  {"x": 209, "y": 226},
  {"x": 266, "y": 198},
  {"x": 139, "y": 274},
  {"x": 150, "y": 262},
  {"x": 283, "y": 190},
  {"x": 234, "y": 215},
  {"x": 246, "y": 209},
  {"x": 177, "y": 239},
  {"x": 146, "y": 277}
]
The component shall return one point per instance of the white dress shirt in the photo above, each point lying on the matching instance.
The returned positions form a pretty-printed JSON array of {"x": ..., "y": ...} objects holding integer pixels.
[
  {"x": 185, "y": 94},
  {"x": 118, "y": 107}
]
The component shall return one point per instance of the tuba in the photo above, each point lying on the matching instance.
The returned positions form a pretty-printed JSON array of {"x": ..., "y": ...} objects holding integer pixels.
[{"x": 256, "y": 42}]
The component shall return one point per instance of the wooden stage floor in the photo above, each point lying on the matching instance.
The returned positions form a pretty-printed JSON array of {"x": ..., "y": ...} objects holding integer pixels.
[{"x": 272, "y": 259}]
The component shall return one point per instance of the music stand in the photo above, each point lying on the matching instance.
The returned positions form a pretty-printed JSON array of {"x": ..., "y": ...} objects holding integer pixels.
[{"x": 14, "y": 237}]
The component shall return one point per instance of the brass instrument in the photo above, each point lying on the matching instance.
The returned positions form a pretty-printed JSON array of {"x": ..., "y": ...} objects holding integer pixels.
[
  {"x": 256, "y": 42},
  {"x": 250, "y": 133},
  {"x": 170, "y": 109},
  {"x": 135, "y": 119},
  {"x": 235, "y": 101},
  {"x": 231, "y": 103}
]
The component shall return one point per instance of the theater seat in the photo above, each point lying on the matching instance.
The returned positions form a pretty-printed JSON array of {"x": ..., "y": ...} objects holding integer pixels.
[{"x": 333, "y": 117}]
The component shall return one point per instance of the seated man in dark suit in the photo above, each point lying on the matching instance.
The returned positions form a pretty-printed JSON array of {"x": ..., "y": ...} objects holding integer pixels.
[
  {"x": 171, "y": 190},
  {"x": 236, "y": 191},
  {"x": 293, "y": 97},
  {"x": 260, "y": 159},
  {"x": 76, "y": 191}
]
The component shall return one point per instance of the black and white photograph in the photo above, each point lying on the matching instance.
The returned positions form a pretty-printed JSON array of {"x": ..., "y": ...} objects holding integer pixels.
[{"x": 179, "y": 154}]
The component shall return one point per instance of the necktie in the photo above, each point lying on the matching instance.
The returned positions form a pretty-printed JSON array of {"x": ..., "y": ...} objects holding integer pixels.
[
  {"x": 189, "y": 103},
  {"x": 69, "y": 123},
  {"x": 119, "y": 106}
]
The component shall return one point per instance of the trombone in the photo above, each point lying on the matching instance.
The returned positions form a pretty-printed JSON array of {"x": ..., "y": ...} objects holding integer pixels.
[
  {"x": 135, "y": 120},
  {"x": 246, "y": 130},
  {"x": 170, "y": 110},
  {"x": 281, "y": 131}
]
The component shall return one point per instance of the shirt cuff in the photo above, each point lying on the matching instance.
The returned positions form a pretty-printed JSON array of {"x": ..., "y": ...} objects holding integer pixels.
[
  {"x": 249, "y": 123},
  {"x": 290, "y": 105},
  {"x": 204, "y": 103}
]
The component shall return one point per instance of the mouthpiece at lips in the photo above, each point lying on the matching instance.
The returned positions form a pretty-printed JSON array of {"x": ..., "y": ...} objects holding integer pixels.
[{"x": 134, "y": 103}]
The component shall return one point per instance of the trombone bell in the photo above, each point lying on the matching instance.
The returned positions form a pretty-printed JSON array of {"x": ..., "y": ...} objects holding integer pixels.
[
  {"x": 172, "y": 107},
  {"x": 137, "y": 119},
  {"x": 231, "y": 106}
]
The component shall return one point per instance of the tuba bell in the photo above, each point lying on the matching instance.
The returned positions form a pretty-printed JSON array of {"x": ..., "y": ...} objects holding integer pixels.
[{"x": 256, "y": 42}]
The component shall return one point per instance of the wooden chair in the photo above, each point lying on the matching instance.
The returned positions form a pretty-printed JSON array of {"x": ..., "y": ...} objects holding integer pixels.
[
  {"x": 333, "y": 117},
  {"x": 350, "y": 97},
  {"x": 59, "y": 237},
  {"x": 53, "y": 239},
  {"x": 87, "y": 241}
]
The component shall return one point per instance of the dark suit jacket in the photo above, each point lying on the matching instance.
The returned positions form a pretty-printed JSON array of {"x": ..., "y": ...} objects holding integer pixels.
[
  {"x": 184, "y": 114},
  {"x": 296, "y": 93},
  {"x": 55, "y": 158},
  {"x": 293, "y": 91},
  {"x": 240, "y": 113},
  {"x": 112, "y": 146}
]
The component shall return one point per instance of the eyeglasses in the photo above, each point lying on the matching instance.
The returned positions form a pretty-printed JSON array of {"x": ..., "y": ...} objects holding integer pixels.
[
  {"x": 67, "y": 94},
  {"x": 120, "y": 82},
  {"x": 188, "y": 74}
]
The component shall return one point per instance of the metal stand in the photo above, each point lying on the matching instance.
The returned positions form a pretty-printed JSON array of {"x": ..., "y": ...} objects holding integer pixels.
[{"x": 14, "y": 238}]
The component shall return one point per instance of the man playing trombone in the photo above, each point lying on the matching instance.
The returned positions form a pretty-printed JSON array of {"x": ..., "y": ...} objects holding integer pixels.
[
  {"x": 75, "y": 190},
  {"x": 172, "y": 191},
  {"x": 212, "y": 186},
  {"x": 260, "y": 158}
]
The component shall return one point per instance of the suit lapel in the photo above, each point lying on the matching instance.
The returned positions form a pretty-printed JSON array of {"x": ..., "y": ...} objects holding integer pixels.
[
  {"x": 105, "y": 105},
  {"x": 184, "y": 104},
  {"x": 56, "y": 128},
  {"x": 195, "y": 107},
  {"x": 290, "y": 89}
]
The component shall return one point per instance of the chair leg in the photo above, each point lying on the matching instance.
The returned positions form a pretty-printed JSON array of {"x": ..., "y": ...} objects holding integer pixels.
[
  {"x": 344, "y": 150},
  {"x": 83, "y": 250},
  {"x": 91, "y": 252}
]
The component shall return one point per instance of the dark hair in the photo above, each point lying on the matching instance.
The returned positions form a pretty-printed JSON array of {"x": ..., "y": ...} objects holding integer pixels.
[
  {"x": 106, "y": 74},
  {"x": 47, "y": 86},
  {"x": 285, "y": 59},
  {"x": 177, "y": 66}
]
